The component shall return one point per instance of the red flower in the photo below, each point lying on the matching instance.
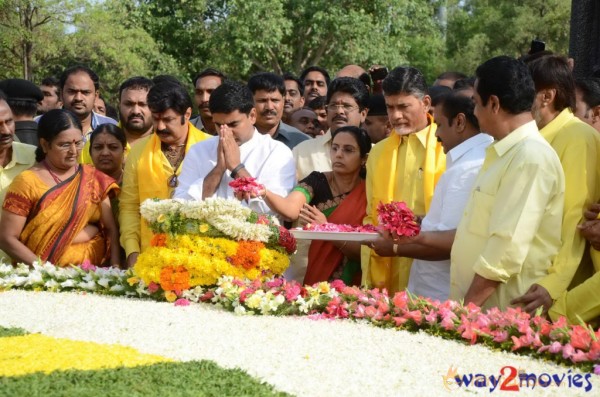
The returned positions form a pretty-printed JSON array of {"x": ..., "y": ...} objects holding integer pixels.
[
  {"x": 398, "y": 218},
  {"x": 287, "y": 240},
  {"x": 243, "y": 185}
]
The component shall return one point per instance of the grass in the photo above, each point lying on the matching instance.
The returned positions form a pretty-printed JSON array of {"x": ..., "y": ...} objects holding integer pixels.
[
  {"x": 11, "y": 331},
  {"x": 194, "y": 378}
]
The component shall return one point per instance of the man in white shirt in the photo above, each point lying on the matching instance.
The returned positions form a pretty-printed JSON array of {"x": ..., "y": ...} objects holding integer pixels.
[
  {"x": 464, "y": 145},
  {"x": 238, "y": 151}
]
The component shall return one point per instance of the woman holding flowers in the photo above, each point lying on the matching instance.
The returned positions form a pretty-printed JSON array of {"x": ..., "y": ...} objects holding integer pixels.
[
  {"x": 335, "y": 197},
  {"x": 58, "y": 210}
]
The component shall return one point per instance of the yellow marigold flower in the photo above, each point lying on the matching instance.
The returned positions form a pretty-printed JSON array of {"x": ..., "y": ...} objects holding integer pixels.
[
  {"x": 203, "y": 228},
  {"x": 26, "y": 354},
  {"x": 170, "y": 296},
  {"x": 161, "y": 218},
  {"x": 133, "y": 280},
  {"x": 323, "y": 287}
]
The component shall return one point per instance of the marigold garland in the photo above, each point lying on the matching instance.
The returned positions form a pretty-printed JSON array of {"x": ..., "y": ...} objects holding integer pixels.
[{"x": 206, "y": 259}]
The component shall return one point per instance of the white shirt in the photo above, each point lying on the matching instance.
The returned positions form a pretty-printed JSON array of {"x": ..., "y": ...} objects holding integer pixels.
[
  {"x": 432, "y": 278},
  {"x": 267, "y": 160}
]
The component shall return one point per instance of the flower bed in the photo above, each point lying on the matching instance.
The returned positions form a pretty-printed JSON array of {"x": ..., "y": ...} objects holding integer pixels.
[
  {"x": 195, "y": 243},
  {"x": 512, "y": 330}
]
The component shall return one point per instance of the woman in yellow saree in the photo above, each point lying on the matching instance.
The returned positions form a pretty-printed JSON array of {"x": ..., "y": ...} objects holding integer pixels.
[{"x": 58, "y": 210}]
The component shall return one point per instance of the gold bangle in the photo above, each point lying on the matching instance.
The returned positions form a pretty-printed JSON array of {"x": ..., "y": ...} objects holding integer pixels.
[{"x": 395, "y": 249}]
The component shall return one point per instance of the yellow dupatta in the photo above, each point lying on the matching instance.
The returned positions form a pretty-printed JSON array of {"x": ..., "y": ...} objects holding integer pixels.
[
  {"x": 434, "y": 166},
  {"x": 154, "y": 171}
]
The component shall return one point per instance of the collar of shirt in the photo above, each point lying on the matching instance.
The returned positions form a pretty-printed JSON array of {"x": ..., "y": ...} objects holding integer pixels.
[
  {"x": 421, "y": 135},
  {"x": 325, "y": 139},
  {"x": 504, "y": 145},
  {"x": 464, "y": 147},
  {"x": 278, "y": 132},
  {"x": 552, "y": 128},
  {"x": 19, "y": 155}
]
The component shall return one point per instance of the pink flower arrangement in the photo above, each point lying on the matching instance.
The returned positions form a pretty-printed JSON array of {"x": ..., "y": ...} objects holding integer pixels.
[
  {"x": 340, "y": 228},
  {"x": 245, "y": 185},
  {"x": 509, "y": 330},
  {"x": 398, "y": 219}
]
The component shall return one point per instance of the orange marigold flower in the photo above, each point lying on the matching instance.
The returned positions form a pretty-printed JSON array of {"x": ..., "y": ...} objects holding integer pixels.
[
  {"x": 174, "y": 278},
  {"x": 247, "y": 255},
  {"x": 159, "y": 240}
]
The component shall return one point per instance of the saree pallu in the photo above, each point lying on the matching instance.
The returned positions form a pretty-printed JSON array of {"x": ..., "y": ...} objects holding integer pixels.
[
  {"x": 55, "y": 216},
  {"x": 323, "y": 257}
]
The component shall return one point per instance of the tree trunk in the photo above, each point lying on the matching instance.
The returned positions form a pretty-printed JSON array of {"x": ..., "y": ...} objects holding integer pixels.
[{"x": 584, "y": 42}]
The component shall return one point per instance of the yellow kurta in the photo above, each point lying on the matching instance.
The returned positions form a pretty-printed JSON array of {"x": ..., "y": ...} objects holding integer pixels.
[
  {"x": 23, "y": 157},
  {"x": 511, "y": 228},
  {"x": 137, "y": 187},
  {"x": 578, "y": 147},
  {"x": 399, "y": 169}
]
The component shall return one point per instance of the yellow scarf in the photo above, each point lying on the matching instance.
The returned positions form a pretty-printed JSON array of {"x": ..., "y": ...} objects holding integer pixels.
[
  {"x": 154, "y": 170},
  {"x": 435, "y": 164}
]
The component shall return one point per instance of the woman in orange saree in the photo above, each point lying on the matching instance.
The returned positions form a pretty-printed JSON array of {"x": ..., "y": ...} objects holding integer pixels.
[
  {"x": 335, "y": 197},
  {"x": 59, "y": 211}
]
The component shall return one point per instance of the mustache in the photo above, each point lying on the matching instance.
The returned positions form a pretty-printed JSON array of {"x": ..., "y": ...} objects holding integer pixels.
[
  {"x": 135, "y": 115},
  {"x": 341, "y": 118},
  {"x": 269, "y": 112},
  {"x": 163, "y": 131},
  {"x": 203, "y": 105}
]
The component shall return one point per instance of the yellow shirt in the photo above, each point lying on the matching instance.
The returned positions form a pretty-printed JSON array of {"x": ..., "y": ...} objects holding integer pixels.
[
  {"x": 578, "y": 147},
  {"x": 510, "y": 230},
  {"x": 409, "y": 187},
  {"x": 313, "y": 155},
  {"x": 135, "y": 235},
  {"x": 23, "y": 157}
]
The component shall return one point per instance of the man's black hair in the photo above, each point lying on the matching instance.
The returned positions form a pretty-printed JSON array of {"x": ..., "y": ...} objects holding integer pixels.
[
  {"x": 453, "y": 103},
  {"x": 266, "y": 81},
  {"x": 352, "y": 86},
  {"x": 590, "y": 90},
  {"x": 231, "y": 96},
  {"x": 136, "y": 83},
  {"x": 79, "y": 69},
  {"x": 508, "y": 79},
  {"x": 209, "y": 72},
  {"x": 319, "y": 102},
  {"x": 405, "y": 80},
  {"x": 315, "y": 69},
  {"x": 291, "y": 77},
  {"x": 167, "y": 95},
  {"x": 553, "y": 71}
]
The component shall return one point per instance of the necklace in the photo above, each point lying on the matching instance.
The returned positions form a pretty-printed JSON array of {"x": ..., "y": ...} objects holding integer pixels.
[
  {"x": 57, "y": 180},
  {"x": 335, "y": 185},
  {"x": 175, "y": 155}
]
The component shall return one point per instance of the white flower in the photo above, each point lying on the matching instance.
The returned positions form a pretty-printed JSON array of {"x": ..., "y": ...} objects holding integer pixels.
[
  {"x": 68, "y": 284},
  {"x": 104, "y": 282},
  {"x": 117, "y": 288},
  {"x": 51, "y": 284},
  {"x": 240, "y": 310},
  {"x": 88, "y": 285}
]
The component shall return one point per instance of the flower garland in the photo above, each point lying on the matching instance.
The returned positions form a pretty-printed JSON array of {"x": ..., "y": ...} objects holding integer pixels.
[
  {"x": 510, "y": 330},
  {"x": 187, "y": 260}
]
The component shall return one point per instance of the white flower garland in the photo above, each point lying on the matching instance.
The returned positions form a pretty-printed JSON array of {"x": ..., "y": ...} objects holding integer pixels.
[{"x": 226, "y": 215}]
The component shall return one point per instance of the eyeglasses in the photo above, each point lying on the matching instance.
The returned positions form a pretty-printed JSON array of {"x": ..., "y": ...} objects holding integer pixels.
[
  {"x": 345, "y": 149},
  {"x": 332, "y": 107},
  {"x": 67, "y": 145}
]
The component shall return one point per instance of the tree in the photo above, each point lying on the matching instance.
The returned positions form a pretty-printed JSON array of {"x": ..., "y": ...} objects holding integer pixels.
[
  {"x": 30, "y": 30},
  {"x": 478, "y": 30}
]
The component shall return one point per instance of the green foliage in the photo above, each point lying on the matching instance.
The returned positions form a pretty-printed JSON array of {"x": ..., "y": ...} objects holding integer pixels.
[
  {"x": 5, "y": 332},
  {"x": 122, "y": 38},
  {"x": 195, "y": 378},
  {"x": 480, "y": 29}
]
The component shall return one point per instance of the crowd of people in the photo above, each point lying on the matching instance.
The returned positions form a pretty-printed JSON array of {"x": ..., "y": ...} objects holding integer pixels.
[{"x": 501, "y": 168}]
